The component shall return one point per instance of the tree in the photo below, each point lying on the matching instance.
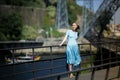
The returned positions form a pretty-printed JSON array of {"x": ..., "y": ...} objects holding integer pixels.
[
  {"x": 11, "y": 26},
  {"x": 31, "y": 3}
]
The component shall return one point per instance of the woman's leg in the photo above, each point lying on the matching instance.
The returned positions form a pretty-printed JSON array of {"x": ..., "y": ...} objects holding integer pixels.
[{"x": 70, "y": 69}]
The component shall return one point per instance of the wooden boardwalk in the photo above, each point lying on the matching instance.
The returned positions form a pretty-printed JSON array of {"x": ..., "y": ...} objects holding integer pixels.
[{"x": 99, "y": 75}]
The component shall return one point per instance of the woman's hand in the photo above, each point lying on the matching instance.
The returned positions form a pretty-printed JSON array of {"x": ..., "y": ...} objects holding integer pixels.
[{"x": 60, "y": 45}]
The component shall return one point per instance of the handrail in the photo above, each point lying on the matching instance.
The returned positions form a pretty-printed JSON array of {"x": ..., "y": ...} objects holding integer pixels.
[
  {"x": 96, "y": 42},
  {"x": 60, "y": 66},
  {"x": 78, "y": 70}
]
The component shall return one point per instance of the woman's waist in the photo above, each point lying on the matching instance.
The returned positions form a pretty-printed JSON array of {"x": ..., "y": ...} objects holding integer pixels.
[
  {"x": 72, "y": 39},
  {"x": 72, "y": 42}
]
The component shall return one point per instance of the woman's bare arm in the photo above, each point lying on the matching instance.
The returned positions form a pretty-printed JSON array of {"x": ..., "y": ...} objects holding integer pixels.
[{"x": 63, "y": 41}]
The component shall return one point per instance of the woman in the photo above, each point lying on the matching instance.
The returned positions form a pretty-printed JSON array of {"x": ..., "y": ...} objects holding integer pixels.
[{"x": 72, "y": 50}]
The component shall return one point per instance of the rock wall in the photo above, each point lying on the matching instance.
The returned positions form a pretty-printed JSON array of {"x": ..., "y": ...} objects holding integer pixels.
[{"x": 31, "y": 16}]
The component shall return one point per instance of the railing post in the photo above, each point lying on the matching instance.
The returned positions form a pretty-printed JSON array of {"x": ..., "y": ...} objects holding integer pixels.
[
  {"x": 78, "y": 74},
  {"x": 58, "y": 77},
  {"x": 107, "y": 73},
  {"x": 117, "y": 59},
  {"x": 13, "y": 59},
  {"x": 117, "y": 50},
  {"x": 101, "y": 52},
  {"x": 51, "y": 62},
  {"x": 92, "y": 75},
  {"x": 33, "y": 53},
  {"x": 109, "y": 55},
  {"x": 119, "y": 72},
  {"x": 13, "y": 56},
  {"x": 91, "y": 58}
]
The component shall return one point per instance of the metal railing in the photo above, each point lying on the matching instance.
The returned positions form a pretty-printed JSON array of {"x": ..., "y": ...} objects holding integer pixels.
[{"x": 96, "y": 60}]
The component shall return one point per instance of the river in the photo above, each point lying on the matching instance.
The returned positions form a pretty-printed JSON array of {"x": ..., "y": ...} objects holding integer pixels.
[{"x": 24, "y": 67}]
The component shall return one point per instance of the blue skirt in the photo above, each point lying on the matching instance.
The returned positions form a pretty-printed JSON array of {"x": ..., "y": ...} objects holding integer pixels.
[{"x": 73, "y": 55}]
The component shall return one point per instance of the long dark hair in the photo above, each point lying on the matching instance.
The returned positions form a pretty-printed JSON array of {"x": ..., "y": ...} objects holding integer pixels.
[{"x": 78, "y": 29}]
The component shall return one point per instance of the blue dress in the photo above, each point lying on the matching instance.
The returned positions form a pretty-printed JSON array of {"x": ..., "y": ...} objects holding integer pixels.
[{"x": 72, "y": 49}]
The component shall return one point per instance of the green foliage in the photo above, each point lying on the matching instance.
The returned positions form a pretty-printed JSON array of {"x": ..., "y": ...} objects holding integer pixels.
[
  {"x": 49, "y": 18},
  {"x": 54, "y": 32},
  {"x": 29, "y": 33},
  {"x": 57, "y": 34},
  {"x": 13, "y": 32},
  {"x": 2, "y": 37},
  {"x": 11, "y": 26},
  {"x": 73, "y": 8},
  {"x": 53, "y": 1},
  {"x": 73, "y": 11},
  {"x": 72, "y": 17},
  {"x": 30, "y": 3},
  {"x": 48, "y": 22},
  {"x": 51, "y": 10}
]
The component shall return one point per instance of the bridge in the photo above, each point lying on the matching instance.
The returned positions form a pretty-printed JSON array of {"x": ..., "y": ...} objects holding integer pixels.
[
  {"x": 100, "y": 61},
  {"x": 53, "y": 67}
]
